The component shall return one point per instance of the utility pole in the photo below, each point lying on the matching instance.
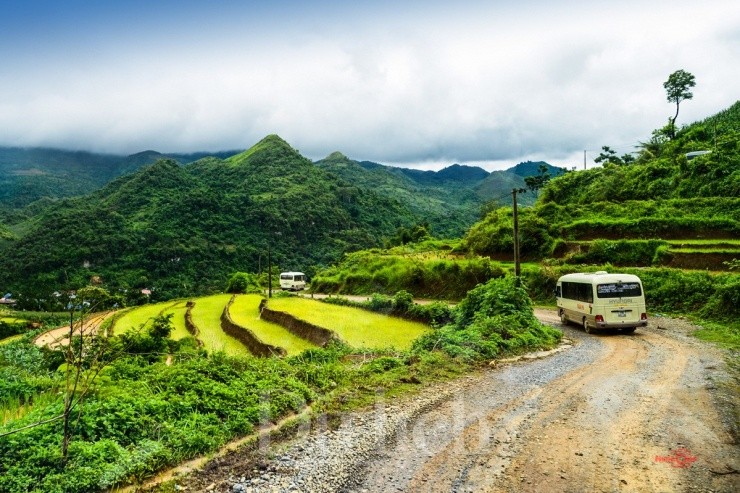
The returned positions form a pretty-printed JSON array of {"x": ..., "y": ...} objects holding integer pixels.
[
  {"x": 517, "y": 268},
  {"x": 269, "y": 272},
  {"x": 584, "y": 159}
]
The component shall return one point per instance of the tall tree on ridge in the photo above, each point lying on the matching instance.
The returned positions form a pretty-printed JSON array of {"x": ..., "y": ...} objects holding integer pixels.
[{"x": 677, "y": 89}]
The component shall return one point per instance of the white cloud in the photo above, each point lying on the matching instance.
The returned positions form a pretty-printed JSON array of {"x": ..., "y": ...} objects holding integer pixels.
[{"x": 481, "y": 83}]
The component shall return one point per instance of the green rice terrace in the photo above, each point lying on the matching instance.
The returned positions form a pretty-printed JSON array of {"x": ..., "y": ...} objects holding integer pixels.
[
  {"x": 356, "y": 327},
  {"x": 135, "y": 318},
  {"x": 245, "y": 311},
  {"x": 207, "y": 319}
]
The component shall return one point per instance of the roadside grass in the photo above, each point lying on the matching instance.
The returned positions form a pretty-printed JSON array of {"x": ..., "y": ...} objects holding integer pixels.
[
  {"x": 725, "y": 334},
  {"x": 245, "y": 312},
  {"x": 358, "y": 328},
  {"x": 12, "y": 320},
  {"x": 207, "y": 318}
]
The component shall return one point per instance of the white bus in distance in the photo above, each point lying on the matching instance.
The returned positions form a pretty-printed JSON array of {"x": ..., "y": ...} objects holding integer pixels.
[
  {"x": 292, "y": 281},
  {"x": 602, "y": 301}
]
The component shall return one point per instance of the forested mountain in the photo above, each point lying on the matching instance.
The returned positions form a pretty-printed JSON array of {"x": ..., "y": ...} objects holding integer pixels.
[{"x": 182, "y": 230}]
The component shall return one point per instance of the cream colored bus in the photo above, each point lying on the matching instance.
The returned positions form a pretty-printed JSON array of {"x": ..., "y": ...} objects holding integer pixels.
[
  {"x": 601, "y": 300},
  {"x": 292, "y": 281}
]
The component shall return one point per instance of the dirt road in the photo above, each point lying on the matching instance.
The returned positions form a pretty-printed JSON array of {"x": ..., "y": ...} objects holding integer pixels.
[
  {"x": 56, "y": 337},
  {"x": 615, "y": 413},
  {"x": 653, "y": 411}
]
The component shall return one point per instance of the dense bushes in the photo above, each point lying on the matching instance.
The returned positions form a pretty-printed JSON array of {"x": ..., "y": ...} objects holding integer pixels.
[
  {"x": 8, "y": 329},
  {"x": 494, "y": 318},
  {"x": 494, "y": 235},
  {"x": 147, "y": 416}
]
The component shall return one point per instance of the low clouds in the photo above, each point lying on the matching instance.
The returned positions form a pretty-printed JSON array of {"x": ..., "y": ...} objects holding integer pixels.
[{"x": 429, "y": 84}]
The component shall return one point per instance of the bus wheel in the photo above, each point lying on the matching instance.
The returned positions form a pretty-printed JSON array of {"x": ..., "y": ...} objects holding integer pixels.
[
  {"x": 563, "y": 318},
  {"x": 586, "y": 327}
]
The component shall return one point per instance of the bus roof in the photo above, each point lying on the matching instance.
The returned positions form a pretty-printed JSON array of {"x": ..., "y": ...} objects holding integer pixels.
[
  {"x": 292, "y": 274},
  {"x": 598, "y": 277}
]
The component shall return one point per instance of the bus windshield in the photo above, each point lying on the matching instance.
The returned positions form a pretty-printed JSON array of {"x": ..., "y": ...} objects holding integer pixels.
[{"x": 618, "y": 290}]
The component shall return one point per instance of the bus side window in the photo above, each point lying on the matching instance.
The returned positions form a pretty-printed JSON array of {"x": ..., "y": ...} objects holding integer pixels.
[{"x": 557, "y": 291}]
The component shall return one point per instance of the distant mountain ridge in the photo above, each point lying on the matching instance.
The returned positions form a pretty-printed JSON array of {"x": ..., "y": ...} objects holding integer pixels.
[{"x": 33, "y": 173}]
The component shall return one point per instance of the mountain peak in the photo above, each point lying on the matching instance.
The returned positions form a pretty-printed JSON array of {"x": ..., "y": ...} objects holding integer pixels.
[
  {"x": 336, "y": 156},
  {"x": 271, "y": 147}
]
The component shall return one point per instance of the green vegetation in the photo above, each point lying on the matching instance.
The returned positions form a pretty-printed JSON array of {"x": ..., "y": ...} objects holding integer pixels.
[
  {"x": 357, "y": 328},
  {"x": 427, "y": 274},
  {"x": 245, "y": 312},
  {"x": 182, "y": 230},
  {"x": 207, "y": 318}
]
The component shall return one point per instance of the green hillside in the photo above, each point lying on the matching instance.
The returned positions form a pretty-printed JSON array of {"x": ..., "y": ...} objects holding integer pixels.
[
  {"x": 181, "y": 230},
  {"x": 606, "y": 214},
  {"x": 448, "y": 206}
]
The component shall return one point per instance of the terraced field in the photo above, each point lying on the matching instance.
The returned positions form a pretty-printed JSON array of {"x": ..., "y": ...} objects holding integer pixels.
[
  {"x": 10, "y": 339},
  {"x": 207, "y": 317},
  {"x": 359, "y": 328},
  {"x": 245, "y": 312},
  {"x": 689, "y": 253},
  {"x": 178, "y": 320},
  {"x": 138, "y": 316}
]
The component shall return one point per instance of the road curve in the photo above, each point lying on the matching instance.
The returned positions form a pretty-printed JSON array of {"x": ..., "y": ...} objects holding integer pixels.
[{"x": 613, "y": 413}]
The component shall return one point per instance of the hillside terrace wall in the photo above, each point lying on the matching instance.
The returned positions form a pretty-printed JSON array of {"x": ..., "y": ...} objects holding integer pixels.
[
  {"x": 189, "y": 325},
  {"x": 300, "y": 328},
  {"x": 246, "y": 336}
]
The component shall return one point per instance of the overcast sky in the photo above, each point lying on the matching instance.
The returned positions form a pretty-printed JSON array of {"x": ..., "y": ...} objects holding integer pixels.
[{"x": 416, "y": 83}]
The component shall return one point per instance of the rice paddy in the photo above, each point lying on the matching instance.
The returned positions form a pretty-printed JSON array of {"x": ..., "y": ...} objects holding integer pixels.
[
  {"x": 359, "y": 328},
  {"x": 10, "y": 339},
  {"x": 207, "y": 318},
  {"x": 245, "y": 312},
  {"x": 135, "y": 317},
  {"x": 177, "y": 310}
]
